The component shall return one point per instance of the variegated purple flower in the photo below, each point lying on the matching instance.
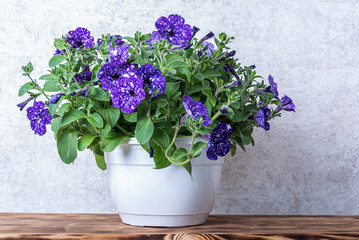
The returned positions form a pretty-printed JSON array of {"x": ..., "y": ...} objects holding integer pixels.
[
  {"x": 84, "y": 76},
  {"x": 119, "y": 53},
  {"x": 285, "y": 104},
  {"x": 210, "y": 50},
  {"x": 273, "y": 86},
  {"x": 110, "y": 73},
  {"x": 261, "y": 117},
  {"x": 80, "y": 38},
  {"x": 56, "y": 97},
  {"x": 153, "y": 78},
  {"x": 195, "y": 109},
  {"x": 39, "y": 117},
  {"x": 128, "y": 92},
  {"x": 173, "y": 29},
  {"x": 218, "y": 144}
]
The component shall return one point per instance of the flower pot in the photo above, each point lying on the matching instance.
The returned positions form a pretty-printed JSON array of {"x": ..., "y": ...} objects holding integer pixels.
[{"x": 145, "y": 196}]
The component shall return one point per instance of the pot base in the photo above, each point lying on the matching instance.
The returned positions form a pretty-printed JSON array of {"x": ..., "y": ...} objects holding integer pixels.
[{"x": 144, "y": 220}]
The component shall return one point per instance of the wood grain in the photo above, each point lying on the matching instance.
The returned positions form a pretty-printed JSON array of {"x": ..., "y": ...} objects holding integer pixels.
[{"x": 109, "y": 226}]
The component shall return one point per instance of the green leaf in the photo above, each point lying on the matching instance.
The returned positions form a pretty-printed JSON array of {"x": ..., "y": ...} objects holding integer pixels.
[
  {"x": 171, "y": 58},
  {"x": 211, "y": 73},
  {"x": 172, "y": 88},
  {"x": 144, "y": 130},
  {"x": 72, "y": 116},
  {"x": 161, "y": 137},
  {"x": 110, "y": 114},
  {"x": 160, "y": 158},
  {"x": 26, "y": 87},
  {"x": 198, "y": 148},
  {"x": 30, "y": 67},
  {"x": 55, "y": 124},
  {"x": 162, "y": 103},
  {"x": 48, "y": 77},
  {"x": 53, "y": 106},
  {"x": 106, "y": 129},
  {"x": 188, "y": 167},
  {"x": 67, "y": 146},
  {"x": 85, "y": 141},
  {"x": 109, "y": 144},
  {"x": 101, "y": 163},
  {"x": 98, "y": 94},
  {"x": 130, "y": 117},
  {"x": 56, "y": 60},
  {"x": 180, "y": 155},
  {"x": 96, "y": 120},
  {"x": 63, "y": 108},
  {"x": 52, "y": 86}
]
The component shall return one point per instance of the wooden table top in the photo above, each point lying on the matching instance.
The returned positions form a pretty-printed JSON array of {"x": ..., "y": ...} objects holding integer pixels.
[{"x": 109, "y": 226}]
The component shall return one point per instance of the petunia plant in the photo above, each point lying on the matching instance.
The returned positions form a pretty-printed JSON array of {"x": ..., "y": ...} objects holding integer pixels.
[{"x": 155, "y": 87}]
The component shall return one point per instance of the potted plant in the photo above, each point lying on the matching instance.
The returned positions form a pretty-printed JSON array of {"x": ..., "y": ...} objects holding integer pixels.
[{"x": 161, "y": 108}]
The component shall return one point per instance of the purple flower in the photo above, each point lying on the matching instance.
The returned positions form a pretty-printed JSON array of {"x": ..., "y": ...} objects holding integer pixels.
[
  {"x": 84, "y": 76},
  {"x": 56, "y": 97},
  {"x": 153, "y": 78},
  {"x": 285, "y": 104},
  {"x": 110, "y": 73},
  {"x": 227, "y": 55},
  {"x": 261, "y": 117},
  {"x": 194, "y": 31},
  {"x": 218, "y": 144},
  {"x": 205, "y": 38},
  {"x": 224, "y": 109},
  {"x": 211, "y": 49},
  {"x": 119, "y": 53},
  {"x": 80, "y": 38},
  {"x": 172, "y": 29},
  {"x": 58, "y": 52},
  {"x": 24, "y": 103},
  {"x": 127, "y": 92},
  {"x": 273, "y": 86},
  {"x": 195, "y": 109},
  {"x": 39, "y": 117}
]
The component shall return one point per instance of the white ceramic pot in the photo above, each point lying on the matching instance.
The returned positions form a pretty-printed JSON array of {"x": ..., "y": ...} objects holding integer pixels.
[{"x": 161, "y": 197}]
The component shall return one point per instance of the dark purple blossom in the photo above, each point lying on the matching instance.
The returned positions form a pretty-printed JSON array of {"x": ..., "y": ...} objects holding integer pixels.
[
  {"x": 251, "y": 66},
  {"x": 205, "y": 38},
  {"x": 262, "y": 116},
  {"x": 173, "y": 29},
  {"x": 227, "y": 55},
  {"x": 58, "y": 52},
  {"x": 224, "y": 109},
  {"x": 195, "y": 109},
  {"x": 128, "y": 92},
  {"x": 110, "y": 73},
  {"x": 218, "y": 144},
  {"x": 181, "y": 47},
  {"x": 119, "y": 53},
  {"x": 56, "y": 97},
  {"x": 80, "y": 38},
  {"x": 273, "y": 86},
  {"x": 150, "y": 149},
  {"x": 39, "y": 117},
  {"x": 285, "y": 104},
  {"x": 84, "y": 76},
  {"x": 24, "y": 103},
  {"x": 211, "y": 49},
  {"x": 194, "y": 31},
  {"x": 153, "y": 78}
]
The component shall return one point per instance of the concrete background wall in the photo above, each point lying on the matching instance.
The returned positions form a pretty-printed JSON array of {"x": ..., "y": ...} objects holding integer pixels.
[{"x": 306, "y": 164}]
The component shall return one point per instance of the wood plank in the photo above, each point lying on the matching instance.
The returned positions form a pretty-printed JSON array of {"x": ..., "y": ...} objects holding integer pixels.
[{"x": 109, "y": 226}]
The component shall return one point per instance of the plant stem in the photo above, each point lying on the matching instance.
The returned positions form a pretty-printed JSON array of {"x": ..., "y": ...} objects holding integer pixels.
[
  {"x": 124, "y": 130},
  {"x": 38, "y": 87}
]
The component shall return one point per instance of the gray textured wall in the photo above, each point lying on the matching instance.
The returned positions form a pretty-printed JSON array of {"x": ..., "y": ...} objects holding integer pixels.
[{"x": 306, "y": 164}]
